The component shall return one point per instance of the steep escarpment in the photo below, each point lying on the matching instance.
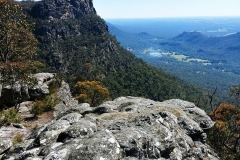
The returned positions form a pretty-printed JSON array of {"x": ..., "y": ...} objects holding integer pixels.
[
  {"x": 75, "y": 42},
  {"x": 126, "y": 128},
  {"x": 62, "y": 9}
]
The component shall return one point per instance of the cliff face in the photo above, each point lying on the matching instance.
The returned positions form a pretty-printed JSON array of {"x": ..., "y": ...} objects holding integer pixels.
[
  {"x": 62, "y": 9},
  {"x": 126, "y": 128},
  {"x": 63, "y": 27},
  {"x": 61, "y": 19}
]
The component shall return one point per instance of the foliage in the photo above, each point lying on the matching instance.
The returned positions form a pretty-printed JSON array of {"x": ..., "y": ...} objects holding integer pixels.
[
  {"x": 17, "y": 138},
  {"x": 17, "y": 41},
  {"x": 224, "y": 137},
  {"x": 16, "y": 72},
  {"x": 37, "y": 108},
  {"x": 10, "y": 116},
  {"x": 50, "y": 102},
  {"x": 234, "y": 93},
  {"x": 54, "y": 85},
  {"x": 45, "y": 105},
  {"x": 17, "y": 46},
  {"x": 91, "y": 92},
  {"x": 36, "y": 67}
]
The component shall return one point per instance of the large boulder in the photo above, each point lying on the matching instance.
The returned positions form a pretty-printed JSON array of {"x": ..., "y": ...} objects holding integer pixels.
[
  {"x": 126, "y": 128},
  {"x": 8, "y": 94},
  {"x": 41, "y": 88},
  {"x": 66, "y": 101}
]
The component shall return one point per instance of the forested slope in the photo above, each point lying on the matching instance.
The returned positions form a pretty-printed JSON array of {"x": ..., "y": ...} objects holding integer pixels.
[{"x": 75, "y": 42}]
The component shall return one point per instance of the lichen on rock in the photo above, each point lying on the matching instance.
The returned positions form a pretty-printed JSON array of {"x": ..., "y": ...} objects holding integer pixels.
[{"x": 126, "y": 128}]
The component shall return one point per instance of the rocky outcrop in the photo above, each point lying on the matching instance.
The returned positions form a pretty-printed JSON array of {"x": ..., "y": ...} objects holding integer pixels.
[
  {"x": 126, "y": 128},
  {"x": 66, "y": 100},
  {"x": 62, "y": 9},
  {"x": 41, "y": 88},
  {"x": 65, "y": 20},
  {"x": 8, "y": 94},
  {"x": 61, "y": 19}
]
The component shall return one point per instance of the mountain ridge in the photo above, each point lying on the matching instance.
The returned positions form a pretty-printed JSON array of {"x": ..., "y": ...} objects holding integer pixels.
[{"x": 198, "y": 38}]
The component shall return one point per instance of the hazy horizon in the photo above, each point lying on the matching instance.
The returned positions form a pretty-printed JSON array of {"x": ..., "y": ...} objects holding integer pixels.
[
  {"x": 122, "y": 9},
  {"x": 167, "y": 18}
]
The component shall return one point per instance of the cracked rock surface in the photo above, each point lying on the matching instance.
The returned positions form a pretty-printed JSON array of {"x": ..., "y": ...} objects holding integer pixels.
[{"x": 127, "y": 128}]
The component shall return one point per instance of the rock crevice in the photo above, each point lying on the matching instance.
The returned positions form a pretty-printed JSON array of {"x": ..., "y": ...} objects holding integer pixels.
[{"x": 126, "y": 128}]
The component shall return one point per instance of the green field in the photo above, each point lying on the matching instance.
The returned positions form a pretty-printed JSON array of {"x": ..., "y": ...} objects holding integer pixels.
[{"x": 176, "y": 56}]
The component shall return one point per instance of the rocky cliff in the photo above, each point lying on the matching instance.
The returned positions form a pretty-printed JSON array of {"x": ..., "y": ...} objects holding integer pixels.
[
  {"x": 24, "y": 93},
  {"x": 61, "y": 19},
  {"x": 62, "y": 9},
  {"x": 126, "y": 128}
]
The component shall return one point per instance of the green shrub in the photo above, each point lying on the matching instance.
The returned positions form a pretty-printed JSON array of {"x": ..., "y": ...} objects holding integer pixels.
[
  {"x": 54, "y": 85},
  {"x": 37, "y": 108},
  {"x": 10, "y": 116},
  {"x": 45, "y": 105},
  {"x": 50, "y": 102}
]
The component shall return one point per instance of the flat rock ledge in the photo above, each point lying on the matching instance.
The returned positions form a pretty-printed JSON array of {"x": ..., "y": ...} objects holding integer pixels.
[{"x": 128, "y": 128}]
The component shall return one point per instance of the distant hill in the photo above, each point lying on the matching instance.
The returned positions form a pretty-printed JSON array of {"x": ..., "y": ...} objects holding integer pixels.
[
  {"x": 221, "y": 55},
  {"x": 199, "y": 40},
  {"x": 215, "y": 49},
  {"x": 135, "y": 41},
  {"x": 75, "y": 42},
  {"x": 191, "y": 37}
]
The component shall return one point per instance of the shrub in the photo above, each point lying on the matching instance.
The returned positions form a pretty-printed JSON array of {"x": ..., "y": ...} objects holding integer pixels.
[
  {"x": 10, "y": 116},
  {"x": 54, "y": 85},
  {"x": 50, "y": 102},
  {"x": 37, "y": 108},
  {"x": 45, "y": 105},
  {"x": 224, "y": 137},
  {"x": 91, "y": 92},
  {"x": 17, "y": 139}
]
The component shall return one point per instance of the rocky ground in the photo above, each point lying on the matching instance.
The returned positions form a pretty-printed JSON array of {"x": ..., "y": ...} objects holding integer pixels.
[
  {"x": 28, "y": 122},
  {"x": 127, "y": 128}
]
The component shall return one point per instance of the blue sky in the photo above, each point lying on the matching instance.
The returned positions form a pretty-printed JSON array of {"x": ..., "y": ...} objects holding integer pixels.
[{"x": 166, "y": 8}]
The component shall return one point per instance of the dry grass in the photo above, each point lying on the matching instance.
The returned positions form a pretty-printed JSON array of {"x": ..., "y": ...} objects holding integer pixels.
[{"x": 17, "y": 138}]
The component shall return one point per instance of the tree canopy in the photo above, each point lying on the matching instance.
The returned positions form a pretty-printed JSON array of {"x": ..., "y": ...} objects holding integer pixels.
[
  {"x": 91, "y": 92},
  {"x": 224, "y": 137},
  {"x": 17, "y": 42},
  {"x": 17, "y": 45}
]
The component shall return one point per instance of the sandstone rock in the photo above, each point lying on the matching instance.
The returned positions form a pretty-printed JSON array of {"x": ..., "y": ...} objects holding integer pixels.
[
  {"x": 62, "y": 9},
  {"x": 127, "y": 128},
  {"x": 5, "y": 144},
  {"x": 24, "y": 92},
  {"x": 66, "y": 100},
  {"x": 41, "y": 89},
  {"x": 193, "y": 112}
]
